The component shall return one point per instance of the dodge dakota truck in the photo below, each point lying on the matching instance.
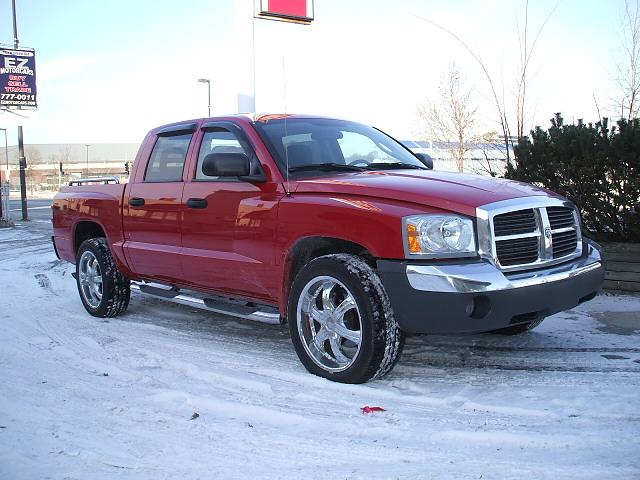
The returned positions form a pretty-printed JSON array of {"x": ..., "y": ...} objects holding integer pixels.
[{"x": 330, "y": 226}]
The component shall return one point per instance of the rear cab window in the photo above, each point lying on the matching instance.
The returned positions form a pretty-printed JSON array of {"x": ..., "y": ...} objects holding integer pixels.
[{"x": 167, "y": 159}]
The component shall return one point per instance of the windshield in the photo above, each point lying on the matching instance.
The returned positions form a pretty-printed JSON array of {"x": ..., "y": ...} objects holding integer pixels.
[{"x": 314, "y": 146}]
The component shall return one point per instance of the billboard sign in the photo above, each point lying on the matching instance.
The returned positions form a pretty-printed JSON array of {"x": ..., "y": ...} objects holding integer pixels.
[
  {"x": 300, "y": 11},
  {"x": 17, "y": 78}
]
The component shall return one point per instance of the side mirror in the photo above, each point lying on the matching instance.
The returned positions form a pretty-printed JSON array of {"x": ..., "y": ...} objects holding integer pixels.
[
  {"x": 426, "y": 159},
  {"x": 226, "y": 165}
]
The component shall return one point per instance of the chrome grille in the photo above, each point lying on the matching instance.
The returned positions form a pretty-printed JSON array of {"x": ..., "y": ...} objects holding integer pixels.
[
  {"x": 560, "y": 217},
  {"x": 517, "y": 251},
  {"x": 564, "y": 243},
  {"x": 514, "y": 223},
  {"x": 526, "y": 233}
]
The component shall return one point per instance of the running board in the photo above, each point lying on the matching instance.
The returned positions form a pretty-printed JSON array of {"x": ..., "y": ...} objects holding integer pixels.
[{"x": 235, "y": 308}]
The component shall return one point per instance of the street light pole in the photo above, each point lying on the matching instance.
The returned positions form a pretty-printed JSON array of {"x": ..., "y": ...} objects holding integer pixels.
[
  {"x": 87, "y": 159},
  {"x": 208, "y": 82},
  {"x": 22, "y": 161}
]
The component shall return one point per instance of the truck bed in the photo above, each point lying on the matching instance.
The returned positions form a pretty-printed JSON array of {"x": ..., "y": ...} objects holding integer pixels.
[{"x": 101, "y": 204}]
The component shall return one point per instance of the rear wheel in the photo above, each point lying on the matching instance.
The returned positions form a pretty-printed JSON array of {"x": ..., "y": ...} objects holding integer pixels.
[
  {"x": 104, "y": 291},
  {"x": 341, "y": 322}
]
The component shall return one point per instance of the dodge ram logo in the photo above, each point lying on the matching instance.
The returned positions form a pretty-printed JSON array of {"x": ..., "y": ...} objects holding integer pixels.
[{"x": 547, "y": 233}]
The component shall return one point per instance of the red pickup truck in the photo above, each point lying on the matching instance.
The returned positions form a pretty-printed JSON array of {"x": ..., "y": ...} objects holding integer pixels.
[{"x": 330, "y": 225}]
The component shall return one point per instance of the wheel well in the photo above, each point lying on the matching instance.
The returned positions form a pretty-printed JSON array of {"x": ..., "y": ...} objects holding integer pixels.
[
  {"x": 306, "y": 249},
  {"x": 85, "y": 231}
]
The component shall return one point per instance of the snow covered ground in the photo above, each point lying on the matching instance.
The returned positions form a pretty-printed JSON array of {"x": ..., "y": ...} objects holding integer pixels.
[{"x": 84, "y": 398}]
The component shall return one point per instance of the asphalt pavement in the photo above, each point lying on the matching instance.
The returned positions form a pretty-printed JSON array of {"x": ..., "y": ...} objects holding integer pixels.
[{"x": 38, "y": 209}]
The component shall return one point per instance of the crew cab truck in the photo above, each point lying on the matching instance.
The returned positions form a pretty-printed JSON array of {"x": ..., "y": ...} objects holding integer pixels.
[{"x": 329, "y": 225}]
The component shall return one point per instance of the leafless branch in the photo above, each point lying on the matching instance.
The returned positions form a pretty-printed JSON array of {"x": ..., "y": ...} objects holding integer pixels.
[
  {"x": 629, "y": 66},
  {"x": 526, "y": 52},
  {"x": 497, "y": 103},
  {"x": 452, "y": 119}
]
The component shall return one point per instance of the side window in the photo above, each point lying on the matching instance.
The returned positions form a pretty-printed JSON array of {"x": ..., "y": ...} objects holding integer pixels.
[
  {"x": 219, "y": 140},
  {"x": 167, "y": 159}
]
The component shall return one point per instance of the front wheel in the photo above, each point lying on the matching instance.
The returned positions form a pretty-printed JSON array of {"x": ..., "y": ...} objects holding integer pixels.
[
  {"x": 341, "y": 322},
  {"x": 104, "y": 291}
]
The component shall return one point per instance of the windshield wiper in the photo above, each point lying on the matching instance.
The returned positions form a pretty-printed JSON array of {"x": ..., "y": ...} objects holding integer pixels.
[
  {"x": 327, "y": 167},
  {"x": 394, "y": 166}
]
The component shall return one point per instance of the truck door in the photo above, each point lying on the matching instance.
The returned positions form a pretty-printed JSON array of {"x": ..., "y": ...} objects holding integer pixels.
[
  {"x": 151, "y": 217},
  {"x": 229, "y": 224}
]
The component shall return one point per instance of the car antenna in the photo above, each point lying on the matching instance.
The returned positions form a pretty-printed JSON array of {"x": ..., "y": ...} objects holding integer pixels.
[{"x": 287, "y": 187}]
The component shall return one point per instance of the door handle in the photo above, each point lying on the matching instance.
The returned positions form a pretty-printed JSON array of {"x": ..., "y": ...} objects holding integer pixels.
[
  {"x": 197, "y": 203},
  {"x": 136, "y": 202}
]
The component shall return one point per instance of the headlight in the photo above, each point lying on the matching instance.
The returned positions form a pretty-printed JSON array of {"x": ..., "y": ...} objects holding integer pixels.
[{"x": 439, "y": 236}]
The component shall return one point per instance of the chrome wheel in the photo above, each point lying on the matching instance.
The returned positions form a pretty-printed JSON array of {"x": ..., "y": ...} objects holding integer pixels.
[
  {"x": 90, "y": 279},
  {"x": 329, "y": 323}
]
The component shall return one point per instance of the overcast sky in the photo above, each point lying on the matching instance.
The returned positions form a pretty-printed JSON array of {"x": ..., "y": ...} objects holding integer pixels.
[{"x": 108, "y": 71}]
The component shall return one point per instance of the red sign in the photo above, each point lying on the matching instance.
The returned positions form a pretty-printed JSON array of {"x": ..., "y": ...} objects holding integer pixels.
[{"x": 292, "y": 10}]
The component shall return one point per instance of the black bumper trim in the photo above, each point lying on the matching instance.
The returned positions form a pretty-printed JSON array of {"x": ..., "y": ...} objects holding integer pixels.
[{"x": 419, "y": 311}]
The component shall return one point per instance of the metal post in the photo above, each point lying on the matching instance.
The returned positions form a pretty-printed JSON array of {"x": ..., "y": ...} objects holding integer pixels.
[
  {"x": 208, "y": 82},
  {"x": 87, "y": 160},
  {"x": 6, "y": 155},
  {"x": 253, "y": 54},
  {"x": 4, "y": 204},
  {"x": 16, "y": 42},
  {"x": 6, "y": 152},
  {"x": 6, "y": 216},
  {"x": 22, "y": 162}
]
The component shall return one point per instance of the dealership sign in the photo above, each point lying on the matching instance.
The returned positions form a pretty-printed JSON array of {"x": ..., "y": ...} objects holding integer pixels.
[
  {"x": 17, "y": 78},
  {"x": 300, "y": 11}
]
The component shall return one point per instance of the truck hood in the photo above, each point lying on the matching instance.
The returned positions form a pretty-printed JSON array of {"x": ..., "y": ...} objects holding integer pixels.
[{"x": 456, "y": 192}]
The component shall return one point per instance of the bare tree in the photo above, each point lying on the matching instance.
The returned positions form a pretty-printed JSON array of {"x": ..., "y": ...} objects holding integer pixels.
[
  {"x": 629, "y": 66},
  {"x": 64, "y": 154},
  {"x": 32, "y": 154},
  {"x": 527, "y": 50},
  {"x": 452, "y": 119},
  {"x": 493, "y": 155}
]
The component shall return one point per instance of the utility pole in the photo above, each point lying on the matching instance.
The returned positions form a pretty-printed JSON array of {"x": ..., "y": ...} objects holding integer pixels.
[
  {"x": 22, "y": 161},
  {"x": 208, "y": 82},
  {"x": 87, "y": 159}
]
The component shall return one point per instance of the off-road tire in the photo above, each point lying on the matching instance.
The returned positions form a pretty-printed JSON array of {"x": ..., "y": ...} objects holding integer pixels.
[
  {"x": 116, "y": 290},
  {"x": 382, "y": 340}
]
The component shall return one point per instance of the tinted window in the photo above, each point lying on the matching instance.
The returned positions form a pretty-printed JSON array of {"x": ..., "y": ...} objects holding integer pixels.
[
  {"x": 167, "y": 159},
  {"x": 299, "y": 142},
  {"x": 362, "y": 150},
  {"x": 218, "y": 140}
]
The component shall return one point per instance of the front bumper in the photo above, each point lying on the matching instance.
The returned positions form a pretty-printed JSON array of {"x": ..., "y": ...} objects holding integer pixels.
[{"x": 475, "y": 296}]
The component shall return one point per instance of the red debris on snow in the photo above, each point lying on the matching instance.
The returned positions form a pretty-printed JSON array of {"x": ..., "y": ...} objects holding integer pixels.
[{"x": 368, "y": 409}]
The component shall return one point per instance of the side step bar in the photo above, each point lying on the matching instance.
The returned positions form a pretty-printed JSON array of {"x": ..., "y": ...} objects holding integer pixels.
[{"x": 225, "y": 306}]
